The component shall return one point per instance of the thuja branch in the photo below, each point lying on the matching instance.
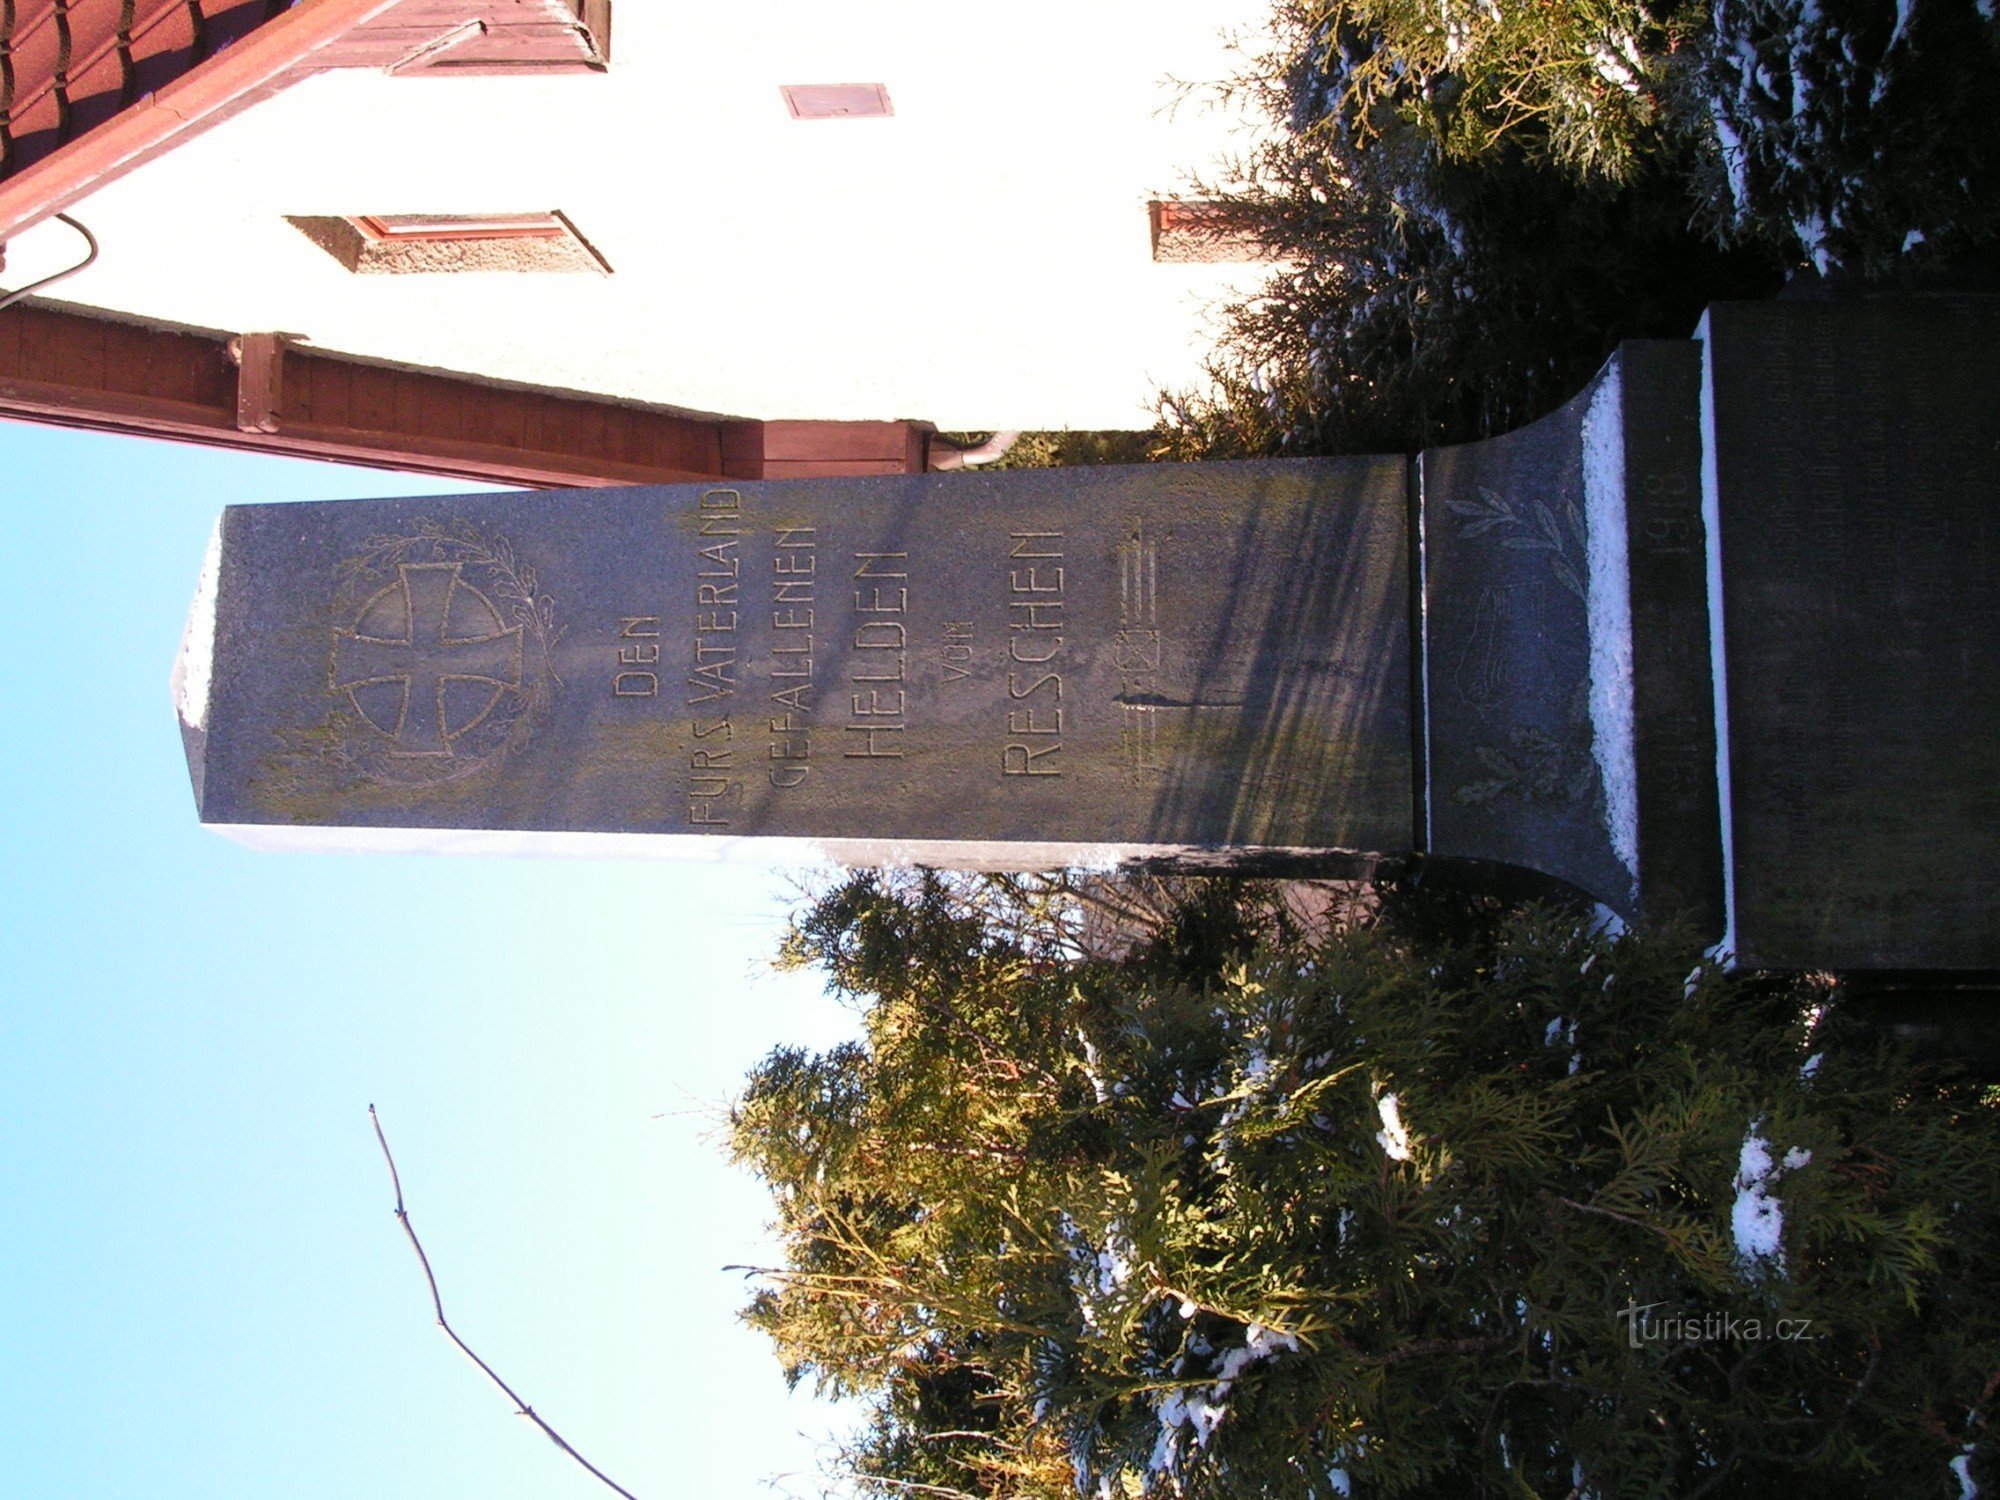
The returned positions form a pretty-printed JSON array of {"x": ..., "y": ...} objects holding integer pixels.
[{"x": 521, "y": 1407}]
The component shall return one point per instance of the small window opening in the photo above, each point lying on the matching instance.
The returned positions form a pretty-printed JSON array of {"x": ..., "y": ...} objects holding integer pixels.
[
  {"x": 837, "y": 101},
  {"x": 406, "y": 244},
  {"x": 1194, "y": 231}
]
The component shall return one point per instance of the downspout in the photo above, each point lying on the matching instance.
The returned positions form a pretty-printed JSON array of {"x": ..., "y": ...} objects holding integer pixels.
[{"x": 943, "y": 455}]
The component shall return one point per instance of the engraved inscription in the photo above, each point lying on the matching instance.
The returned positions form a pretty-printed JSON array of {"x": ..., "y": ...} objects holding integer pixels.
[
  {"x": 712, "y": 785},
  {"x": 1668, "y": 523},
  {"x": 711, "y": 772},
  {"x": 1136, "y": 650},
  {"x": 794, "y": 575},
  {"x": 1036, "y": 581},
  {"x": 877, "y": 698},
  {"x": 956, "y": 657},
  {"x": 638, "y": 658}
]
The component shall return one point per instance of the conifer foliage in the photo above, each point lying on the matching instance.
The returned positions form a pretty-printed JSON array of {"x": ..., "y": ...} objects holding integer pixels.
[
  {"x": 1249, "y": 1210},
  {"x": 1473, "y": 201}
]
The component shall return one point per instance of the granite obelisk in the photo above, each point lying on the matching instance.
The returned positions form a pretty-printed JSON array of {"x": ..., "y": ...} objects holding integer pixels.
[{"x": 1718, "y": 641}]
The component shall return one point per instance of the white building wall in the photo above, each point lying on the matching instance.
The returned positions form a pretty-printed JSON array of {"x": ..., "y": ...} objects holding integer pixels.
[{"x": 979, "y": 260}]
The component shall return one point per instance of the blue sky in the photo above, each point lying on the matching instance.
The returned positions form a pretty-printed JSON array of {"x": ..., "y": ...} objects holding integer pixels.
[{"x": 207, "y": 1294}]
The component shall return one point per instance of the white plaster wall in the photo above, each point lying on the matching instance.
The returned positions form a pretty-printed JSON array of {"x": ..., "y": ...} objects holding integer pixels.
[{"x": 979, "y": 260}]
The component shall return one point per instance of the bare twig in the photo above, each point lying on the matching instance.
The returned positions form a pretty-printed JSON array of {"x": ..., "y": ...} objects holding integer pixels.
[{"x": 521, "y": 1407}]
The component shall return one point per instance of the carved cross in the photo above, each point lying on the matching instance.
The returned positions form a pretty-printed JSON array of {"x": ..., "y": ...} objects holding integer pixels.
[{"x": 427, "y": 656}]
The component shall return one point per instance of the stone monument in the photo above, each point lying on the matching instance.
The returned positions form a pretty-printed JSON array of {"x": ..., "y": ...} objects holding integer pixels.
[{"x": 1717, "y": 641}]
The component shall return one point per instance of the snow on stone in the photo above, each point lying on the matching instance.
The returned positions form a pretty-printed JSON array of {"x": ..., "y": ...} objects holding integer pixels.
[
  {"x": 192, "y": 668},
  {"x": 1609, "y": 591},
  {"x": 1757, "y": 1221},
  {"x": 1394, "y": 1140},
  {"x": 1711, "y": 523}
]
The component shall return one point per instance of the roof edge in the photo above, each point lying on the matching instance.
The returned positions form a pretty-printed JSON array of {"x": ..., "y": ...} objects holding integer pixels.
[{"x": 271, "y": 57}]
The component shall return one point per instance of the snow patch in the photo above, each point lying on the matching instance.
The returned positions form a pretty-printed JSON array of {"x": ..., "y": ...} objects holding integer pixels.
[
  {"x": 1904, "y": 9},
  {"x": 1757, "y": 1221},
  {"x": 194, "y": 667},
  {"x": 1711, "y": 524},
  {"x": 1613, "y": 69},
  {"x": 1968, "y": 1487},
  {"x": 1394, "y": 1140},
  {"x": 1612, "y": 736},
  {"x": 1091, "y": 1066},
  {"x": 1811, "y": 230},
  {"x": 1735, "y": 161},
  {"x": 1097, "y": 1276},
  {"x": 1200, "y": 1410},
  {"x": 1560, "y": 1030}
]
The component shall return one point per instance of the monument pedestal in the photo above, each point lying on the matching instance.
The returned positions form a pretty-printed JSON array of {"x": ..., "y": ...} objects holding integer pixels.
[
  {"x": 1716, "y": 642},
  {"x": 1852, "y": 523}
]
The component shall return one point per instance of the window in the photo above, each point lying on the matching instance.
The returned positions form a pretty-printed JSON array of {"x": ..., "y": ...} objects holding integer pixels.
[
  {"x": 1189, "y": 231},
  {"x": 407, "y": 244},
  {"x": 836, "y": 101}
]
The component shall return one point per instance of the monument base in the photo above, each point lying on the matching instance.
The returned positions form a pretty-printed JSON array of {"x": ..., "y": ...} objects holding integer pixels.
[{"x": 1851, "y": 510}]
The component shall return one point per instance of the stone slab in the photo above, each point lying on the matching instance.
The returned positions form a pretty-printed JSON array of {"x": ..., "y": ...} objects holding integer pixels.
[
  {"x": 1852, "y": 507},
  {"x": 1679, "y": 822},
  {"x": 1507, "y": 627},
  {"x": 1202, "y": 662}
]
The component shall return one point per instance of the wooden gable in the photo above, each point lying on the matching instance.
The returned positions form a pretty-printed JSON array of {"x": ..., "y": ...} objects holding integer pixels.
[{"x": 90, "y": 89}]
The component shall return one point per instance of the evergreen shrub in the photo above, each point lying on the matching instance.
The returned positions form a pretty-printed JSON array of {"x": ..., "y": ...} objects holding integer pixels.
[{"x": 1489, "y": 1205}]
